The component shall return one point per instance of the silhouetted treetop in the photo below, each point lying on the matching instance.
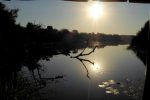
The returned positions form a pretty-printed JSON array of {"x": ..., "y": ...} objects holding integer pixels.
[
  {"x": 32, "y": 26},
  {"x": 7, "y": 17},
  {"x": 49, "y": 27}
]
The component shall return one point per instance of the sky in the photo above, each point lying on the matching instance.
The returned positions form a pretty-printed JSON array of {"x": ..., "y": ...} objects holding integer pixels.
[{"x": 118, "y": 18}]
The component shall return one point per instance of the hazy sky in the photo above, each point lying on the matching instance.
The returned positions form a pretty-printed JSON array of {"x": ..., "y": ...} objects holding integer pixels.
[{"x": 117, "y": 18}]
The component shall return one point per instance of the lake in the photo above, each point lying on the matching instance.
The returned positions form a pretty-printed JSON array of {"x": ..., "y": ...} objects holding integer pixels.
[{"x": 101, "y": 73}]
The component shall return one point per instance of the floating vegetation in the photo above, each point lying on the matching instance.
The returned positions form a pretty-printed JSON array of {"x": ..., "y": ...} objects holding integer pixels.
[
  {"x": 128, "y": 87},
  {"x": 110, "y": 87},
  {"x": 102, "y": 86},
  {"x": 111, "y": 81},
  {"x": 112, "y": 90},
  {"x": 108, "y": 91}
]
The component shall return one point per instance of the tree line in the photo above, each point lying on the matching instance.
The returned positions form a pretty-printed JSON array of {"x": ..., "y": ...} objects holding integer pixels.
[{"x": 17, "y": 40}]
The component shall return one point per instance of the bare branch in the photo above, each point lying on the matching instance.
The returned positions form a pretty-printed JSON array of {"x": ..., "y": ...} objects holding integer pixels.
[
  {"x": 89, "y": 52},
  {"x": 86, "y": 60},
  {"x": 85, "y": 69},
  {"x": 81, "y": 54}
]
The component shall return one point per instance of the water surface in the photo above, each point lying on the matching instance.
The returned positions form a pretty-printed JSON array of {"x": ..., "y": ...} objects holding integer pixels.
[{"x": 109, "y": 73}]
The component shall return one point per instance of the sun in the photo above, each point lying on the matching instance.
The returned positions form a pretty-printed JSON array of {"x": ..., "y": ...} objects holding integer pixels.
[{"x": 96, "y": 10}]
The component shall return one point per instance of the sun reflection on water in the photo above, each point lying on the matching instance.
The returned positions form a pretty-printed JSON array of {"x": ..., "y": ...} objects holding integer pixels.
[{"x": 97, "y": 67}]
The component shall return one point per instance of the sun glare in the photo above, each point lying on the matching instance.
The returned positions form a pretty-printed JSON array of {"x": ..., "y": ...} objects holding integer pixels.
[
  {"x": 97, "y": 68},
  {"x": 96, "y": 10}
]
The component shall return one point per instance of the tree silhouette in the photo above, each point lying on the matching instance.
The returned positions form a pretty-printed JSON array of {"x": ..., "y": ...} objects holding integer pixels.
[
  {"x": 139, "y": 45},
  {"x": 7, "y": 17},
  {"x": 11, "y": 37}
]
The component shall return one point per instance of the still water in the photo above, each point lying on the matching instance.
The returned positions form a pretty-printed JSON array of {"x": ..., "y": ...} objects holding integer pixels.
[{"x": 109, "y": 73}]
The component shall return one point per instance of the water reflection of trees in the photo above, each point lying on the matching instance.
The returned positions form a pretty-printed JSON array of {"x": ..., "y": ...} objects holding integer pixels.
[
  {"x": 9, "y": 71},
  {"x": 15, "y": 86}
]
